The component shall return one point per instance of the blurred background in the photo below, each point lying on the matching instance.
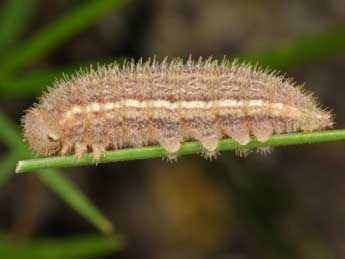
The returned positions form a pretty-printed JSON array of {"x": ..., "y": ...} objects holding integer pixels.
[{"x": 289, "y": 204}]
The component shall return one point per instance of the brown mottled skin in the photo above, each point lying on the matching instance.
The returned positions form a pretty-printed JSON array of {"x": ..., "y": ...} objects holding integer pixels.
[{"x": 49, "y": 133}]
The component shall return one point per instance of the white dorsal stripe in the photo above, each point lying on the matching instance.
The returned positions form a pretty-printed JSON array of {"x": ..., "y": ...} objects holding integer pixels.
[{"x": 163, "y": 104}]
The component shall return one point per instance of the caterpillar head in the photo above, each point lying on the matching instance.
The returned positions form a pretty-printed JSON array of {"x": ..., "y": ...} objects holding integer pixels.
[{"x": 42, "y": 131}]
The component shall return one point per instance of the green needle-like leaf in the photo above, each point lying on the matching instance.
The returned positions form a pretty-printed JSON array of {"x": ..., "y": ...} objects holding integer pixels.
[
  {"x": 311, "y": 48},
  {"x": 308, "y": 49},
  {"x": 37, "y": 81},
  {"x": 7, "y": 163},
  {"x": 75, "y": 198},
  {"x": 186, "y": 149},
  {"x": 9, "y": 134},
  {"x": 11, "y": 26},
  {"x": 84, "y": 246},
  {"x": 33, "y": 83},
  {"x": 55, "y": 34}
]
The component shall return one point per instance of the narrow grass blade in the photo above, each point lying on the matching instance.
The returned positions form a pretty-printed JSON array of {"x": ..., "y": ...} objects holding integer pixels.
[
  {"x": 37, "y": 81},
  {"x": 186, "y": 149},
  {"x": 311, "y": 48},
  {"x": 14, "y": 17},
  {"x": 308, "y": 49},
  {"x": 7, "y": 163},
  {"x": 75, "y": 198},
  {"x": 53, "y": 35},
  {"x": 31, "y": 84},
  {"x": 9, "y": 134},
  {"x": 66, "y": 190},
  {"x": 84, "y": 246}
]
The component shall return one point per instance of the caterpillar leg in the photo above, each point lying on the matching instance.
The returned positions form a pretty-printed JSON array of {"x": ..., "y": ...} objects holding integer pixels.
[
  {"x": 75, "y": 140},
  {"x": 264, "y": 150},
  {"x": 136, "y": 129},
  {"x": 203, "y": 128},
  {"x": 167, "y": 131},
  {"x": 261, "y": 127},
  {"x": 115, "y": 128},
  {"x": 235, "y": 127},
  {"x": 80, "y": 149},
  {"x": 96, "y": 135}
]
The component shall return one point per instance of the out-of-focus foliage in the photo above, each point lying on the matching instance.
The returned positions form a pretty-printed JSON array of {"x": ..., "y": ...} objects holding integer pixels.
[
  {"x": 308, "y": 49},
  {"x": 22, "y": 54},
  {"x": 54, "y": 35},
  {"x": 244, "y": 212},
  {"x": 12, "y": 28},
  {"x": 83, "y": 246},
  {"x": 67, "y": 190}
]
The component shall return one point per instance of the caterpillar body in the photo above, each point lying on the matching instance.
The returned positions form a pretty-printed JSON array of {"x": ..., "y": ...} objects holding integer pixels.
[{"x": 166, "y": 103}]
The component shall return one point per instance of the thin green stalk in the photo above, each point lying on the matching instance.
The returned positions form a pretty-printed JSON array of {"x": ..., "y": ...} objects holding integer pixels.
[
  {"x": 55, "y": 34},
  {"x": 187, "y": 148}
]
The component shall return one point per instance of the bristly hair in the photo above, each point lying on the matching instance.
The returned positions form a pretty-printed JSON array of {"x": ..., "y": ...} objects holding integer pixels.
[{"x": 167, "y": 102}]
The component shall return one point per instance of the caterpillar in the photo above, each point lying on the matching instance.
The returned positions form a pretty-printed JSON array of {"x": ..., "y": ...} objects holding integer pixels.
[{"x": 142, "y": 103}]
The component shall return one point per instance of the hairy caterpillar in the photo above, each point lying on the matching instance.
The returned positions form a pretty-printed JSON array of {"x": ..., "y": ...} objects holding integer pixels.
[{"x": 168, "y": 102}]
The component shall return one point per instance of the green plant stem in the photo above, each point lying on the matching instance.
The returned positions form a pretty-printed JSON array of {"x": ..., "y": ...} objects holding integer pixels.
[{"x": 186, "y": 149}]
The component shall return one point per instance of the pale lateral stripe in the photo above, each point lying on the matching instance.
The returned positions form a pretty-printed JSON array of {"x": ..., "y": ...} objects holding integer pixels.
[{"x": 132, "y": 103}]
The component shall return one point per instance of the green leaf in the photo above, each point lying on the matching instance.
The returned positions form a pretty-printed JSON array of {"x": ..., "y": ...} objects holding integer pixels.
[
  {"x": 75, "y": 198},
  {"x": 308, "y": 49},
  {"x": 55, "y": 34},
  {"x": 14, "y": 17},
  {"x": 7, "y": 163},
  {"x": 9, "y": 134},
  {"x": 33, "y": 83},
  {"x": 187, "y": 148},
  {"x": 84, "y": 246},
  {"x": 67, "y": 191},
  {"x": 37, "y": 81}
]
